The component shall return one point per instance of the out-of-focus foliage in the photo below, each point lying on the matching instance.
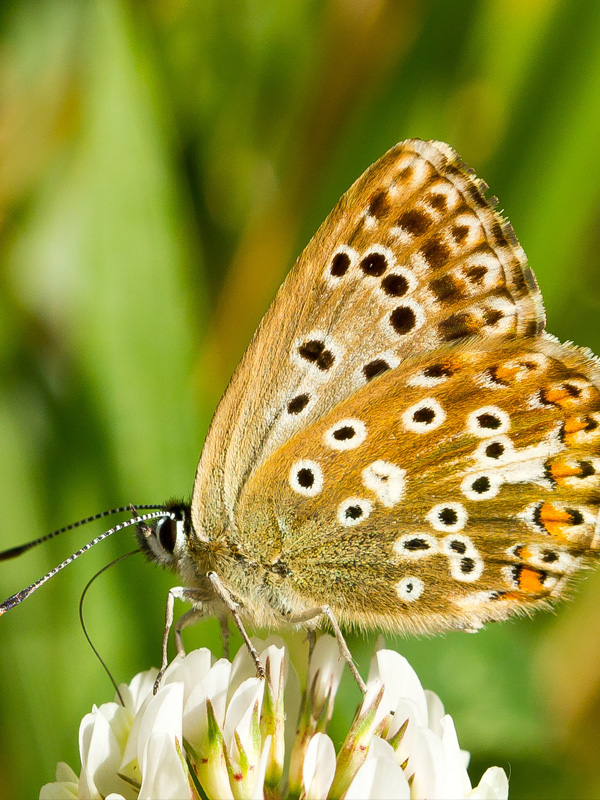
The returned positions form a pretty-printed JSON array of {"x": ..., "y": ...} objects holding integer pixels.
[{"x": 161, "y": 166}]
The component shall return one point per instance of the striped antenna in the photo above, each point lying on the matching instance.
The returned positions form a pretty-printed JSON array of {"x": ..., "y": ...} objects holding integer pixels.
[
  {"x": 17, "y": 598},
  {"x": 13, "y": 552}
]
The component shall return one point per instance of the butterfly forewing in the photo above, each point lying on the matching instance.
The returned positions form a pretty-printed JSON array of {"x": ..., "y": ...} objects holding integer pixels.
[
  {"x": 412, "y": 258},
  {"x": 456, "y": 488}
]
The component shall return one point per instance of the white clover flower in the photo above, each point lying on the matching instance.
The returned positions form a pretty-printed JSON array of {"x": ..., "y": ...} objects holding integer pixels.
[{"x": 214, "y": 729}]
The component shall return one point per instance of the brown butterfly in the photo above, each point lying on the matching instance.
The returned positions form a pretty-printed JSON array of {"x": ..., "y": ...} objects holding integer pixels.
[{"x": 403, "y": 446}]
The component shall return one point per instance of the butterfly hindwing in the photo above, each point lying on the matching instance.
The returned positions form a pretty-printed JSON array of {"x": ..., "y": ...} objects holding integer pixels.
[{"x": 456, "y": 488}]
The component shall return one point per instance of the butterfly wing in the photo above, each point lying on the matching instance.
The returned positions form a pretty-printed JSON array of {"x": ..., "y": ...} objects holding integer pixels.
[
  {"x": 459, "y": 487},
  {"x": 412, "y": 257}
]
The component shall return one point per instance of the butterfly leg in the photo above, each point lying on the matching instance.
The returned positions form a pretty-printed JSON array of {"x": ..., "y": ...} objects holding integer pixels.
[
  {"x": 230, "y": 604},
  {"x": 176, "y": 593},
  {"x": 313, "y": 613},
  {"x": 311, "y": 638},
  {"x": 224, "y": 635},
  {"x": 189, "y": 618}
]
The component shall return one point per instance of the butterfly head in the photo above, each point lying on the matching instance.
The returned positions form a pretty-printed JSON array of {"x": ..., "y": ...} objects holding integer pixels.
[{"x": 164, "y": 540}]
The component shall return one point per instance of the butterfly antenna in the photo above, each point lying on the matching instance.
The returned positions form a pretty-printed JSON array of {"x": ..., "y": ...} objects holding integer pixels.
[
  {"x": 13, "y": 552},
  {"x": 84, "y": 627},
  {"x": 17, "y": 598}
]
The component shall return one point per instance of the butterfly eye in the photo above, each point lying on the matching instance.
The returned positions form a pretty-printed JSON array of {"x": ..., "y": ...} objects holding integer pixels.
[
  {"x": 165, "y": 539},
  {"x": 170, "y": 530},
  {"x": 166, "y": 532}
]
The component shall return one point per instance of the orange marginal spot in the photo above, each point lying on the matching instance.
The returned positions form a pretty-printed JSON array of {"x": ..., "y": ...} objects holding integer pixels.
[
  {"x": 510, "y": 596},
  {"x": 562, "y": 469},
  {"x": 553, "y": 519},
  {"x": 525, "y": 553},
  {"x": 559, "y": 394},
  {"x": 531, "y": 580},
  {"x": 575, "y": 424},
  {"x": 505, "y": 374}
]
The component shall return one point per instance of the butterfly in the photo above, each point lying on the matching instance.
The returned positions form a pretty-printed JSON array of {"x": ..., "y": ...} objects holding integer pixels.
[{"x": 402, "y": 447}]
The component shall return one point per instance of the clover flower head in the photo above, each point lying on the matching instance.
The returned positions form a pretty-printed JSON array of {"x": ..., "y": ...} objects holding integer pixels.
[{"x": 214, "y": 729}]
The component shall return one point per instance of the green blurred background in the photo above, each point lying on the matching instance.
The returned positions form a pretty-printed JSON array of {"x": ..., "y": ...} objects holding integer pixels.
[{"x": 162, "y": 164}]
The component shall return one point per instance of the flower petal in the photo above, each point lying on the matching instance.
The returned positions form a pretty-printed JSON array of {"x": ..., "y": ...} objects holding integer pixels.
[
  {"x": 65, "y": 773},
  {"x": 326, "y": 666},
  {"x": 65, "y": 787},
  {"x": 189, "y": 669},
  {"x": 405, "y": 717},
  {"x": 162, "y": 769},
  {"x": 319, "y": 767},
  {"x": 240, "y": 710},
  {"x": 380, "y": 776},
  {"x": 427, "y": 763},
  {"x": 435, "y": 712},
  {"x": 258, "y": 791},
  {"x": 457, "y": 778},
  {"x": 492, "y": 786},
  {"x": 400, "y": 681},
  {"x": 242, "y": 735},
  {"x": 100, "y": 751},
  {"x": 214, "y": 687},
  {"x": 162, "y": 714},
  {"x": 135, "y": 693},
  {"x": 59, "y": 791}
]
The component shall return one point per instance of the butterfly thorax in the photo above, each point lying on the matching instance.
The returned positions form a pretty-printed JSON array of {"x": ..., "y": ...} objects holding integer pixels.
[
  {"x": 249, "y": 565},
  {"x": 256, "y": 576}
]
